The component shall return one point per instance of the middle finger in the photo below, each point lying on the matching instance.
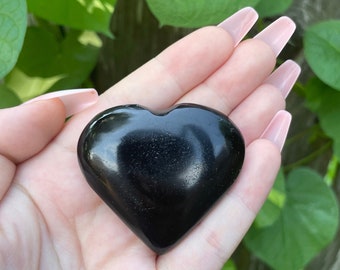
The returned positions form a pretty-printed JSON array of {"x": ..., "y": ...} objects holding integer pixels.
[{"x": 251, "y": 63}]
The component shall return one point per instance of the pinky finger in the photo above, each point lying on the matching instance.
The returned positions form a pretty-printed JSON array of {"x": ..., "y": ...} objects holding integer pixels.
[{"x": 278, "y": 128}]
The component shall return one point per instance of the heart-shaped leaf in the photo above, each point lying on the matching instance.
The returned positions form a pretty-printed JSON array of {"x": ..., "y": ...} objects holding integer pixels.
[
  {"x": 92, "y": 15},
  {"x": 188, "y": 13},
  {"x": 307, "y": 223},
  {"x": 324, "y": 101},
  {"x": 57, "y": 65},
  {"x": 322, "y": 51},
  {"x": 13, "y": 21}
]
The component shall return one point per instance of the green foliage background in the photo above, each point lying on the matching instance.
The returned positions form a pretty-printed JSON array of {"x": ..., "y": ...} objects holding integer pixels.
[{"x": 51, "y": 45}]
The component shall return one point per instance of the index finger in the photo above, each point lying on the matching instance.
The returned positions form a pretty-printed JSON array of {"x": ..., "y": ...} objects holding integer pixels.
[
  {"x": 162, "y": 81},
  {"x": 184, "y": 65}
]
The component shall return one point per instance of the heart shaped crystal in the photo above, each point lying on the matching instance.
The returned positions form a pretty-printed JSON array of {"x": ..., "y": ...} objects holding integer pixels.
[{"x": 160, "y": 171}]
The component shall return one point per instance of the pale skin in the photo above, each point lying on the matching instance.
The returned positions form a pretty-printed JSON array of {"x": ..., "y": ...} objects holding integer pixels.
[{"x": 51, "y": 219}]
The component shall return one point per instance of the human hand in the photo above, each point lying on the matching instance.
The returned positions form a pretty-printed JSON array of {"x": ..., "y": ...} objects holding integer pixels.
[{"x": 51, "y": 219}]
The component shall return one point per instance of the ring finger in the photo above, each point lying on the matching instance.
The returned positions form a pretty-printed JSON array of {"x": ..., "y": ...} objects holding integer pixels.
[{"x": 265, "y": 101}]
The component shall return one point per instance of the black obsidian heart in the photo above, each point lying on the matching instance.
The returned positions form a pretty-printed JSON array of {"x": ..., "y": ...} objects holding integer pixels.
[{"x": 160, "y": 172}]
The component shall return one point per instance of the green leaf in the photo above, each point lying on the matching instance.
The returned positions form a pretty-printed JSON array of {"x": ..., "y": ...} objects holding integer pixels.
[
  {"x": 229, "y": 265},
  {"x": 272, "y": 207},
  {"x": 267, "y": 8},
  {"x": 91, "y": 15},
  {"x": 322, "y": 51},
  {"x": 47, "y": 64},
  {"x": 8, "y": 98},
  {"x": 324, "y": 101},
  {"x": 13, "y": 22},
  {"x": 307, "y": 223},
  {"x": 188, "y": 13}
]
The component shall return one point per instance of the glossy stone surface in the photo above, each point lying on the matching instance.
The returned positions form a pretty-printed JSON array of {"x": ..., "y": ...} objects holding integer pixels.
[{"x": 160, "y": 172}]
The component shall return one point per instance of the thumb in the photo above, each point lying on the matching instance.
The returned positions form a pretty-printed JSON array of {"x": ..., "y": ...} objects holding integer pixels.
[{"x": 26, "y": 129}]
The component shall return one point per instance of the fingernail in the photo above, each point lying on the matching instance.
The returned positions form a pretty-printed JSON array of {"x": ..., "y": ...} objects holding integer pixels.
[
  {"x": 277, "y": 130},
  {"x": 239, "y": 24},
  {"x": 74, "y": 100},
  {"x": 284, "y": 77},
  {"x": 277, "y": 34}
]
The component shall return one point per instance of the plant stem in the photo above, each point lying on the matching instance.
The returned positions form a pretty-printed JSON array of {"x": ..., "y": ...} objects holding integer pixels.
[
  {"x": 309, "y": 157},
  {"x": 332, "y": 170}
]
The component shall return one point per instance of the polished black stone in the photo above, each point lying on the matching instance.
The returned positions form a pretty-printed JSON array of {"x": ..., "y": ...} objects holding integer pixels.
[{"x": 160, "y": 171}]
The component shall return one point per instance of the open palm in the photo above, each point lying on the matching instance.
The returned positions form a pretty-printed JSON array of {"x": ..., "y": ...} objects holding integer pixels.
[{"x": 51, "y": 219}]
